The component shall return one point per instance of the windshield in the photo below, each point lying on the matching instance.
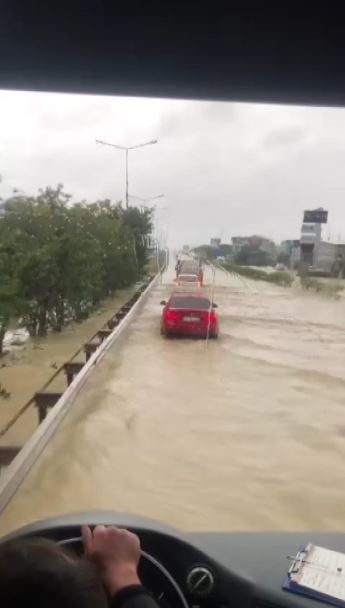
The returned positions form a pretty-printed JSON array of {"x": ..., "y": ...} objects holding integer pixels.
[
  {"x": 195, "y": 303},
  {"x": 227, "y": 421}
]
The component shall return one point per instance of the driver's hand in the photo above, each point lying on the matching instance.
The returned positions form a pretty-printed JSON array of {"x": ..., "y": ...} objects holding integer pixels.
[{"x": 116, "y": 552}]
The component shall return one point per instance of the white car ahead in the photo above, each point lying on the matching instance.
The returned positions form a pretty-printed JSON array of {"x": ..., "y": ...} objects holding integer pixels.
[{"x": 188, "y": 280}]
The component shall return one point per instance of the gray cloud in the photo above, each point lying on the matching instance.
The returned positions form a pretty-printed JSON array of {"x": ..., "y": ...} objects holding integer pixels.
[
  {"x": 285, "y": 136},
  {"x": 225, "y": 168}
]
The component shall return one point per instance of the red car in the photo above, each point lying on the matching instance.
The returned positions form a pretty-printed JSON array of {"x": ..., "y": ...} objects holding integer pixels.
[{"x": 189, "y": 314}]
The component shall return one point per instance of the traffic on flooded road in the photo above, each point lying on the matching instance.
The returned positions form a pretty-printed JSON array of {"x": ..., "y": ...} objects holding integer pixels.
[
  {"x": 172, "y": 341},
  {"x": 172, "y": 327},
  {"x": 179, "y": 430}
]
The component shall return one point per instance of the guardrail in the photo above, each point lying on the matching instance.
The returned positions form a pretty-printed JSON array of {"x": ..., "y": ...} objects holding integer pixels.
[
  {"x": 27, "y": 456},
  {"x": 44, "y": 398}
]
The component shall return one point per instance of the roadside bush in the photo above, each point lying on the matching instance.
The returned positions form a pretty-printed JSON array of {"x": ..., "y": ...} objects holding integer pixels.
[
  {"x": 277, "y": 277},
  {"x": 4, "y": 394},
  {"x": 330, "y": 288},
  {"x": 280, "y": 278}
]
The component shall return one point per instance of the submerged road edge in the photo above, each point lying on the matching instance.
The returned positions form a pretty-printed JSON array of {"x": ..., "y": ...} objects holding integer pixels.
[{"x": 32, "y": 449}]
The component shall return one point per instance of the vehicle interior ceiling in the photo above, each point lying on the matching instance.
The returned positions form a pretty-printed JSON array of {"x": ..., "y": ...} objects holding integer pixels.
[{"x": 248, "y": 51}]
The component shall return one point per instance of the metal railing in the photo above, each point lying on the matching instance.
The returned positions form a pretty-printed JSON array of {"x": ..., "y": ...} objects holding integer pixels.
[{"x": 33, "y": 448}]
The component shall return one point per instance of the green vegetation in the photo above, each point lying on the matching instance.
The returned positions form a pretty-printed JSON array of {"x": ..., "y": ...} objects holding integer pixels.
[
  {"x": 328, "y": 288},
  {"x": 4, "y": 394},
  {"x": 58, "y": 259},
  {"x": 253, "y": 256},
  {"x": 279, "y": 278},
  {"x": 207, "y": 252}
]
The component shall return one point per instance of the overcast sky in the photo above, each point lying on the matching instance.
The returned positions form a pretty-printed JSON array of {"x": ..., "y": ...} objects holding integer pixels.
[{"x": 226, "y": 169}]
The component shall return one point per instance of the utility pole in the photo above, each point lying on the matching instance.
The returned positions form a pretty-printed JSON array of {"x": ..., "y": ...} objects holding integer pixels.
[
  {"x": 127, "y": 202},
  {"x": 127, "y": 149}
]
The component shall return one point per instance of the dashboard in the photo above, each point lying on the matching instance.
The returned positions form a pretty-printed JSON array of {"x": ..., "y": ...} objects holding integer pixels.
[{"x": 199, "y": 569}]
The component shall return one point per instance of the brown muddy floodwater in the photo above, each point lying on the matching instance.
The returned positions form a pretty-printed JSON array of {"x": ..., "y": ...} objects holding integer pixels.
[
  {"x": 243, "y": 433},
  {"x": 25, "y": 369}
]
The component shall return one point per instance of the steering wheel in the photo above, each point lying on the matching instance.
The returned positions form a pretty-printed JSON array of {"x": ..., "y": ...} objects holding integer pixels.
[{"x": 153, "y": 574}]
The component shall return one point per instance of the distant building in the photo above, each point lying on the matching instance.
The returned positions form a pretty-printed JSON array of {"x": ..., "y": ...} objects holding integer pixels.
[
  {"x": 318, "y": 256},
  {"x": 290, "y": 252},
  {"x": 238, "y": 242},
  {"x": 288, "y": 245},
  {"x": 215, "y": 242},
  {"x": 266, "y": 245}
]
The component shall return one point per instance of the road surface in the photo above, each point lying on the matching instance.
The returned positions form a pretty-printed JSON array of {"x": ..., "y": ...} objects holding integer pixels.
[{"x": 243, "y": 433}]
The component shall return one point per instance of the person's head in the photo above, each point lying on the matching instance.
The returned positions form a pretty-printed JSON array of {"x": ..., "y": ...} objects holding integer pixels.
[{"x": 39, "y": 573}]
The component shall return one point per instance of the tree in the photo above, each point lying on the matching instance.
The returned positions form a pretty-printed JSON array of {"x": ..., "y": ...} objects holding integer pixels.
[
  {"x": 252, "y": 256},
  {"x": 38, "y": 277},
  {"x": 9, "y": 288},
  {"x": 140, "y": 223},
  {"x": 8, "y": 305},
  {"x": 65, "y": 258}
]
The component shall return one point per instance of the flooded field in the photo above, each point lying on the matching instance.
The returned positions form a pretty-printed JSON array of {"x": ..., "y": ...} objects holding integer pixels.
[{"x": 243, "y": 433}]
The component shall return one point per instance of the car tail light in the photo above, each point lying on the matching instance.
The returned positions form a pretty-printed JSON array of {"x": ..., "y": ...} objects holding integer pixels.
[
  {"x": 212, "y": 316},
  {"x": 171, "y": 316}
]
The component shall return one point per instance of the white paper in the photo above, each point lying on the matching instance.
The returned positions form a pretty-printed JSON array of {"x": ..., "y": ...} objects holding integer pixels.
[{"x": 325, "y": 574}]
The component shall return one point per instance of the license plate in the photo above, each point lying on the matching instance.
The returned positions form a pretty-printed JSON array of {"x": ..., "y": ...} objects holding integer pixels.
[{"x": 191, "y": 319}]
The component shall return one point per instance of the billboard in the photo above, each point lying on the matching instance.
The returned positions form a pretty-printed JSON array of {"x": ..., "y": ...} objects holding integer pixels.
[{"x": 315, "y": 216}]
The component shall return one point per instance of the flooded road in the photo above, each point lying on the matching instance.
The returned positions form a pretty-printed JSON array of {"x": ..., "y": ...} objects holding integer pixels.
[{"x": 242, "y": 433}]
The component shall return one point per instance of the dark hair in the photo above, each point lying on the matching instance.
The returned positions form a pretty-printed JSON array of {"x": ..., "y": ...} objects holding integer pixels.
[{"x": 38, "y": 572}]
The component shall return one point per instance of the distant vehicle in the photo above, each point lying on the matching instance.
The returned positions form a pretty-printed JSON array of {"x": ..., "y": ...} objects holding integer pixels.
[
  {"x": 220, "y": 258},
  {"x": 189, "y": 314},
  {"x": 191, "y": 267},
  {"x": 178, "y": 267},
  {"x": 280, "y": 267},
  {"x": 190, "y": 280}
]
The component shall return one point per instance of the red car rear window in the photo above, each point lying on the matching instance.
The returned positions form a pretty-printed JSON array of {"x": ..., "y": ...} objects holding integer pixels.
[{"x": 186, "y": 302}]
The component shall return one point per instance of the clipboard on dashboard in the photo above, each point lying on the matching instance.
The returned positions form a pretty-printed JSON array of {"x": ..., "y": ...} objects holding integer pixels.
[{"x": 319, "y": 574}]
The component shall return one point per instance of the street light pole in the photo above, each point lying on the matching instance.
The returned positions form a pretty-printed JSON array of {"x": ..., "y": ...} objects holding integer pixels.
[
  {"x": 126, "y": 149},
  {"x": 127, "y": 202}
]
